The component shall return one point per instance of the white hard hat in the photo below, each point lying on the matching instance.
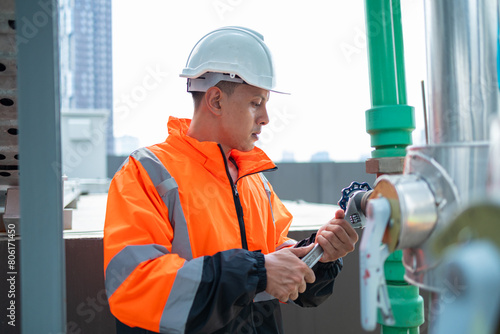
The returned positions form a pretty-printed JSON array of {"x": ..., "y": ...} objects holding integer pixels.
[{"x": 230, "y": 54}]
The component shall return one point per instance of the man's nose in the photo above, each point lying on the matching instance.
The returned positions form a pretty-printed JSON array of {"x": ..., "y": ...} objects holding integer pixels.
[{"x": 264, "y": 118}]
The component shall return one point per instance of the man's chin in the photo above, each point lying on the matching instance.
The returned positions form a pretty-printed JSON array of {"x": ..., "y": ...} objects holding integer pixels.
[{"x": 246, "y": 148}]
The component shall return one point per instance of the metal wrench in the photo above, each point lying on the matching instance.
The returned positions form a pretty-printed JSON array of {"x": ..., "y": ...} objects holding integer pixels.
[
  {"x": 313, "y": 256},
  {"x": 354, "y": 212}
]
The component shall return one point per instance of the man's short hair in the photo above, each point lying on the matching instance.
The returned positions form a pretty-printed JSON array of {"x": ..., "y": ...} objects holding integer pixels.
[{"x": 227, "y": 87}]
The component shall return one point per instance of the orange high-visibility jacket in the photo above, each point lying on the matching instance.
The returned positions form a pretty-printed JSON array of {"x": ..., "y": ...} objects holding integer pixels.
[{"x": 183, "y": 247}]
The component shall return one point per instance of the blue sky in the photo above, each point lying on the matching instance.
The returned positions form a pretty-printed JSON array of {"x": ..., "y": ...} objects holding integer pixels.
[{"x": 319, "y": 49}]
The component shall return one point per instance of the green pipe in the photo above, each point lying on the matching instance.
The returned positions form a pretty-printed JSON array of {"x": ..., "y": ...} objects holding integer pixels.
[
  {"x": 407, "y": 304},
  {"x": 380, "y": 42},
  {"x": 390, "y": 121},
  {"x": 399, "y": 55}
]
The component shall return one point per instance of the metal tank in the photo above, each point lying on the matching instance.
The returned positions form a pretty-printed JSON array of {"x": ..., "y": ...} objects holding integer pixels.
[
  {"x": 470, "y": 267},
  {"x": 463, "y": 96}
]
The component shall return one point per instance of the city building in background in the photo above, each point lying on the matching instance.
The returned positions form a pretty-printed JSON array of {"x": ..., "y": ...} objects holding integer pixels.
[
  {"x": 321, "y": 156},
  {"x": 86, "y": 86},
  {"x": 288, "y": 156},
  {"x": 125, "y": 145}
]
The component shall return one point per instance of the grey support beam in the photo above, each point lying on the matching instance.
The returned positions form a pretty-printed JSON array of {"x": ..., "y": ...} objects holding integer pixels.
[{"x": 43, "y": 286}]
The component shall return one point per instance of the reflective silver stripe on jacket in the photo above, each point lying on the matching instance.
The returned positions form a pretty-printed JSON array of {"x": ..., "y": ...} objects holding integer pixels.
[
  {"x": 125, "y": 261},
  {"x": 181, "y": 297},
  {"x": 268, "y": 192},
  {"x": 168, "y": 190}
]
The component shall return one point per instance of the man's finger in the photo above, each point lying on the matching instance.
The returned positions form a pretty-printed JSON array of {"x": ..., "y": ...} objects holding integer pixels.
[
  {"x": 309, "y": 276},
  {"x": 331, "y": 250},
  {"x": 302, "y": 287},
  {"x": 340, "y": 233},
  {"x": 351, "y": 232}
]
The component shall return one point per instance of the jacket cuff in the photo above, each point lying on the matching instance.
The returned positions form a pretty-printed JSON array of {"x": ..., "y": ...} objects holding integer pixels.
[
  {"x": 337, "y": 266},
  {"x": 306, "y": 242},
  {"x": 261, "y": 271}
]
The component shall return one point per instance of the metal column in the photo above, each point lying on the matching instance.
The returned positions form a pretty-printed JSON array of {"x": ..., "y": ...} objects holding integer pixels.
[{"x": 43, "y": 286}]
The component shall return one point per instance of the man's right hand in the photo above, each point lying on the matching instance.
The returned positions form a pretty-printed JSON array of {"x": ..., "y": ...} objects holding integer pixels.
[{"x": 287, "y": 274}]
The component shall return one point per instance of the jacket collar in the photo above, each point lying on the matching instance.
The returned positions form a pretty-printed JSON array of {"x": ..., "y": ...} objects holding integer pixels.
[{"x": 210, "y": 155}]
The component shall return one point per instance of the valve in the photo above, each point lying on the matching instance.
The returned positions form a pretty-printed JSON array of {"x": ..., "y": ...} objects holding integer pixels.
[
  {"x": 357, "y": 194},
  {"x": 353, "y": 187},
  {"x": 353, "y": 202}
]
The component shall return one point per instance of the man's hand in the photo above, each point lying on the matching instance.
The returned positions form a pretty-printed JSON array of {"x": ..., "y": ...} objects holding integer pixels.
[
  {"x": 337, "y": 238},
  {"x": 287, "y": 275}
]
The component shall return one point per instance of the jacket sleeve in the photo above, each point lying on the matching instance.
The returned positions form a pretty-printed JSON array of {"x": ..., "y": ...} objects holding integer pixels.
[
  {"x": 150, "y": 287},
  {"x": 317, "y": 292}
]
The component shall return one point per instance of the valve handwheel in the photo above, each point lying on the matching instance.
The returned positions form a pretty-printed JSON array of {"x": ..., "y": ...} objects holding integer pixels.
[{"x": 346, "y": 192}]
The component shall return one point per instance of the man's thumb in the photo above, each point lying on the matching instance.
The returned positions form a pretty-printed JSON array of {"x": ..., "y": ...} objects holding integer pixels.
[
  {"x": 302, "y": 251},
  {"x": 340, "y": 214}
]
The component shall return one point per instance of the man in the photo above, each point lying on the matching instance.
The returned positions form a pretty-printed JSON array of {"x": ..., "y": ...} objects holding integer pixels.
[{"x": 195, "y": 239}]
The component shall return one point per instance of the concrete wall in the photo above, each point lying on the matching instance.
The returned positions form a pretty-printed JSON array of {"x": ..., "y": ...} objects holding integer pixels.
[
  {"x": 114, "y": 162},
  {"x": 87, "y": 309},
  {"x": 315, "y": 182}
]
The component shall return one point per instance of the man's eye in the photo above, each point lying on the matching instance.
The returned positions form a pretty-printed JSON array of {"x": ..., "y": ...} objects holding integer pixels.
[{"x": 256, "y": 104}]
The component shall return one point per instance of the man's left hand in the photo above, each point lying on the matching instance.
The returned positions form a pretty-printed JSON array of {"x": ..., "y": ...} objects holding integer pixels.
[{"x": 337, "y": 238}]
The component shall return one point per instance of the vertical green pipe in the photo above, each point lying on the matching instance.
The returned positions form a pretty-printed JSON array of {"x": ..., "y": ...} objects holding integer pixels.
[
  {"x": 407, "y": 304},
  {"x": 380, "y": 42},
  {"x": 399, "y": 55},
  {"x": 390, "y": 123}
]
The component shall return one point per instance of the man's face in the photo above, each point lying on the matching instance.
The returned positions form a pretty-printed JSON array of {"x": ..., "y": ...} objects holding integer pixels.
[{"x": 243, "y": 115}]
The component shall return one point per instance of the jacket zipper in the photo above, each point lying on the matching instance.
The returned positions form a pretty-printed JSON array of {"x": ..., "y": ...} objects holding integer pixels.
[
  {"x": 239, "y": 210},
  {"x": 237, "y": 201}
]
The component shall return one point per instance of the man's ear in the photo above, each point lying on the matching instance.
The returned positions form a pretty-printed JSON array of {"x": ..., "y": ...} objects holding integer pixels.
[{"x": 212, "y": 98}]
